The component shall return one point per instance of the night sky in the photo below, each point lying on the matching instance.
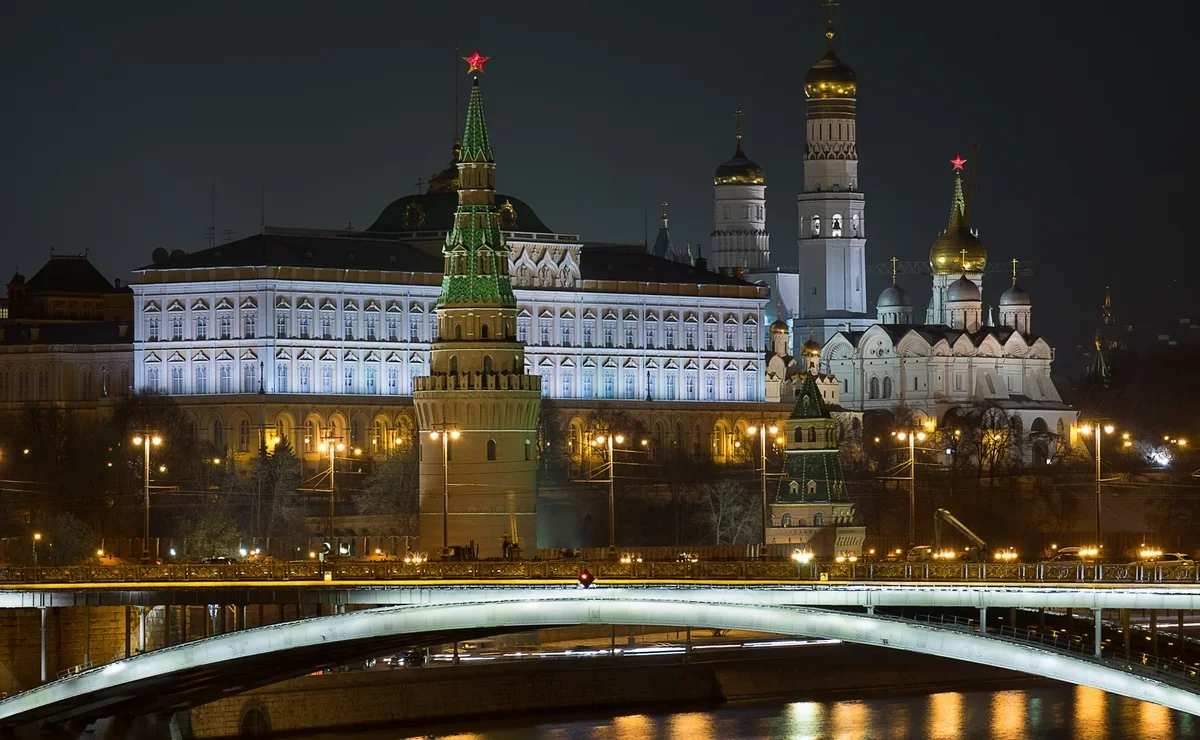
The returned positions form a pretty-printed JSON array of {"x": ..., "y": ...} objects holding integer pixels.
[{"x": 119, "y": 118}]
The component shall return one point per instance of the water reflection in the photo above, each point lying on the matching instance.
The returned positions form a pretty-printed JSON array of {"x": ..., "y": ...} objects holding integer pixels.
[
  {"x": 1008, "y": 715},
  {"x": 1049, "y": 713},
  {"x": 945, "y": 716}
]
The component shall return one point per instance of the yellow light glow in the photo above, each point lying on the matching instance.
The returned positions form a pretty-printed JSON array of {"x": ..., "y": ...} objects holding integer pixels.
[
  {"x": 921, "y": 436},
  {"x": 275, "y": 439},
  {"x": 99, "y": 553},
  {"x": 340, "y": 446},
  {"x": 781, "y": 440},
  {"x": 619, "y": 439},
  {"x": 216, "y": 461},
  {"x": 162, "y": 468},
  {"x": 156, "y": 441},
  {"x": 37, "y": 536},
  {"x": 1182, "y": 442},
  {"x": 901, "y": 436},
  {"x": 1125, "y": 435},
  {"x": 455, "y": 434},
  {"x": 600, "y": 439},
  {"x": 1127, "y": 443},
  {"x": 433, "y": 436},
  {"x": 773, "y": 429},
  {"x": 322, "y": 447},
  {"x": 1109, "y": 428},
  {"x": 137, "y": 440},
  {"x": 1085, "y": 429},
  {"x": 357, "y": 450},
  {"x": 645, "y": 442},
  {"x": 752, "y": 430}
]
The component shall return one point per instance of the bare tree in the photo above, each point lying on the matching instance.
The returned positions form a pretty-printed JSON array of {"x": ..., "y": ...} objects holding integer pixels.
[{"x": 729, "y": 511}]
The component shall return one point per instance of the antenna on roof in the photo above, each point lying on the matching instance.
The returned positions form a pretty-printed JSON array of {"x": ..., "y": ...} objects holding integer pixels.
[
  {"x": 228, "y": 233},
  {"x": 262, "y": 208},
  {"x": 211, "y": 231}
]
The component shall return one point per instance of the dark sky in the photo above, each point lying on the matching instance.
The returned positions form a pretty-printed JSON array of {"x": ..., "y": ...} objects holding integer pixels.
[{"x": 119, "y": 118}]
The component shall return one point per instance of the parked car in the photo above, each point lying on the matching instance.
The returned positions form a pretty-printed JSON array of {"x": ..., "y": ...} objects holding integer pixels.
[
  {"x": 920, "y": 554},
  {"x": 1168, "y": 558},
  {"x": 218, "y": 560}
]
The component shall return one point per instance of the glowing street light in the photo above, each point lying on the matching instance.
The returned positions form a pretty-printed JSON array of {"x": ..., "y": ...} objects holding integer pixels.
[
  {"x": 761, "y": 431},
  {"x": 445, "y": 433},
  {"x": 1094, "y": 428},
  {"x": 146, "y": 440}
]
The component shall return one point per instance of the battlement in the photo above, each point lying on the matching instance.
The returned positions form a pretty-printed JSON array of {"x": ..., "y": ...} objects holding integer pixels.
[{"x": 503, "y": 381}]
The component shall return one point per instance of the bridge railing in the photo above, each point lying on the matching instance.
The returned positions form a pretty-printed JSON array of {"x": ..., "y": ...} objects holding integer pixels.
[
  {"x": 1175, "y": 672},
  {"x": 734, "y": 570}
]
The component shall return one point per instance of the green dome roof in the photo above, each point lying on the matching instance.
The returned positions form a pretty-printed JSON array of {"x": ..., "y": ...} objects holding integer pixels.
[{"x": 435, "y": 212}]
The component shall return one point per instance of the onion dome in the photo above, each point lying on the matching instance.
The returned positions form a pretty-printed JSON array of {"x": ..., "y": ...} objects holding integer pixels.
[
  {"x": 963, "y": 289},
  {"x": 811, "y": 348},
  {"x": 894, "y": 296},
  {"x": 957, "y": 249},
  {"x": 779, "y": 326},
  {"x": 739, "y": 170},
  {"x": 1014, "y": 296},
  {"x": 830, "y": 77}
]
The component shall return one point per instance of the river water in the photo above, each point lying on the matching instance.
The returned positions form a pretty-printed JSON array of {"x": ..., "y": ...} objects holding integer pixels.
[{"x": 1043, "y": 713}]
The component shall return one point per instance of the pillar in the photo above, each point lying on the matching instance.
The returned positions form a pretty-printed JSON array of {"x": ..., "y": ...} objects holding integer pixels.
[
  {"x": 87, "y": 636},
  {"x": 1099, "y": 629},
  {"x": 1042, "y": 618},
  {"x": 1125, "y": 631},
  {"x": 456, "y": 652},
  {"x": 242, "y": 617},
  {"x": 42, "y": 610},
  {"x": 687, "y": 651},
  {"x": 1070, "y": 621},
  {"x": 142, "y": 628},
  {"x": 127, "y": 636},
  {"x": 1154, "y": 631},
  {"x": 983, "y": 619},
  {"x": 1182, "y": 641},
  {"x": 870, "y": 610},
  {"x": 1012, "y": 617},
  {"x": 167, "y": 625}
]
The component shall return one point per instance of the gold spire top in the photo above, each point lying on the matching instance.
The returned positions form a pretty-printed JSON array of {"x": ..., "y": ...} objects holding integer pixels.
[
  {"x": 1014, "y": 271},
  {"x": 894, "y": 261},
  {"x": 738, "y": 116},
  {"x": 664, "y": 207},
  {"x": 829, "y": 5}
]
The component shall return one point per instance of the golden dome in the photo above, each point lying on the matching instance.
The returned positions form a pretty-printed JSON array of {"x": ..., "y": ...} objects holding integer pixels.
[
  {"x": 830, "y": 78},
  {"x": 739, "y": 170},
  {"x": 810, "y": 348},
  {"x": 779, "y": 326},
  {"x": 947, "y": 255}
]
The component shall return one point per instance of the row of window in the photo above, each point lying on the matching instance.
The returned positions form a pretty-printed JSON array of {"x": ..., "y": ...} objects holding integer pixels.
[
  {"x": 36, "y": 387},
  {"x": 745, "y": 211},
  {"x": 835, "y": 227},
  {"x": 325, "y": 326},
  {"x": 629, "y": 334},
  {"x": 651, "y": 389}
]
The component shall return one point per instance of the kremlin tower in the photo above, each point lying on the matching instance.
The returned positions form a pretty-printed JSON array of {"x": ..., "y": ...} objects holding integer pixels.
[{"x": 477, "y": 408}]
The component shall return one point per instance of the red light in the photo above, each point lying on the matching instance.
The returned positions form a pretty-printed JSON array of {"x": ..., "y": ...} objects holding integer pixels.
[
  {"x": 476, "y": 61},
  {"x": 958, "y": 161},
  {"x": 586, "y": 578}
]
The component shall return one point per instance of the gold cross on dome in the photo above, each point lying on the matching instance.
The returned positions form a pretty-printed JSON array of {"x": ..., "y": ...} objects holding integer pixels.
[
  {"x": 1014, "y": 264},
  {"x": 831, "y": 4},
  {"x": 963, "y": 261},
  {"x": 738, "y": 117},
  {"x": 894, "y": 261}
]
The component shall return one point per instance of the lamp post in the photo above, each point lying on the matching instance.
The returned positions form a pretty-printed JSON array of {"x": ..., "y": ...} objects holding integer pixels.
[
  {"x": 37, "y": 537},
  {"x": 612, "y": 476},
  {"x": 912, "y": 435},
  {"x": 146, "y": 439},
  {"x": 446, "y": 432},
  {"x": 1088, "y": 429},
  {"x": 762, "y": 449},
  {"x": 331, "y": 444}
]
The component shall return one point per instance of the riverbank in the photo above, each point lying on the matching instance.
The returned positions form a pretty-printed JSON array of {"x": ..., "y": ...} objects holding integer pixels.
[{"x": 522, "y": 689}]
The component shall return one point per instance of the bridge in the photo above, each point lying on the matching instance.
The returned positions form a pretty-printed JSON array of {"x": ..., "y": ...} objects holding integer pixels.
[
  {"x": 192, "y": 673},
  {"x": 342, "y": 612}
]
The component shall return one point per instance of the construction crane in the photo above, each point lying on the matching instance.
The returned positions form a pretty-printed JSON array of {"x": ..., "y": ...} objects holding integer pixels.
[{"x": 944, "y": 515}]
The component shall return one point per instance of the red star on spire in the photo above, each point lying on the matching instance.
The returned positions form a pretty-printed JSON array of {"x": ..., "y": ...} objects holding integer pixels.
[
  {"x": 958, "y": 161},
  {"x": 476, "y": 61}
]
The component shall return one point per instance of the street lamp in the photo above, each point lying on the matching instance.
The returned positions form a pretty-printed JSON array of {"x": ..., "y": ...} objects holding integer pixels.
[
  {"x": 1087, "y": 429},
  {"x": 762, "y": 449},
  {"x": 331, "y": 445},
  {"x": 146, "y": 440},
  {"x": 37, "y": 537},
  {"x": 913, "y": 436},
  {"x": 446, "y": 432},
  {"x": 612, "y": 476}
]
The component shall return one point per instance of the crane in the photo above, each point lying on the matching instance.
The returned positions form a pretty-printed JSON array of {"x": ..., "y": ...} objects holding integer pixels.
[{"x": 944, "y": 515}]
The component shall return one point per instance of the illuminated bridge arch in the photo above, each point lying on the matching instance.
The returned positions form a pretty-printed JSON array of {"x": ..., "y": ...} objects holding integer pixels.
[{"x": 200, "y": 671}]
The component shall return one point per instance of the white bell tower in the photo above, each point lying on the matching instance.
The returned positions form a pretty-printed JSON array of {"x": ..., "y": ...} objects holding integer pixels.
[{"x": 831, "y": 209}]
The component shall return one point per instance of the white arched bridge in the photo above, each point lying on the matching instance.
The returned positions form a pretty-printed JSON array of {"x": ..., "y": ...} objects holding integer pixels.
[{"x": 203, "y": 670}]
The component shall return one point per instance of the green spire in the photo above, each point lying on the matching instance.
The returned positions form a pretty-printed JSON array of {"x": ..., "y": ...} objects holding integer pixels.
[
  {"x": 476, "y": 254},
  {"x": 475, "y": 145},
  {"x": 809, "y": 404},
  {"x": 958, "y": 208}
]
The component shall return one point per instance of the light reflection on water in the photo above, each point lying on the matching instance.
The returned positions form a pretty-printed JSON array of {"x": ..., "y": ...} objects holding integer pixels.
[{"x": 1053, "y": 713}]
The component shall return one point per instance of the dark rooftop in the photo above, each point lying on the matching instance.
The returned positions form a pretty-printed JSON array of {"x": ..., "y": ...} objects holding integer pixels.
[
  {"x": 70, "y": 274},
  {"x": 73, "y": 332},
  {"x": 435, "y": 212},
  {"x": 631, "y": 262},
  {"x": 350, "y": 251}
]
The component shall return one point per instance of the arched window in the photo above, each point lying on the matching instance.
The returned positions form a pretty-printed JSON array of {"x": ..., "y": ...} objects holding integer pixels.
[
  {"x": 354, "y": 433},
  {"x": 818, "y": 519},
  {"x": 873, "y": 388},
  {"x": 244, "y": 435},
  {"x": 491, "y": 449},
  {"x": 786, "y": 519},
  {"x": 453, "y": 364},
  {"x": 812, "y": 488},
  {"x": 799, "y": 434},
  {"x": 835, "y": 226},
  {"x": 887, "y": 387},
  {"x": 218, "y": 432},
  {"x": 483, "y": 331},
  {"x": 816, "y": 225},
  {"x": 458, "y": 331},
  {"x": 487, "y": 364},
  {"x": 794, "y": 488},
  {"x": 854, "y": 225},
  {"x": 310, "y": 436},
  {"x": 812, "y": 434}
]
